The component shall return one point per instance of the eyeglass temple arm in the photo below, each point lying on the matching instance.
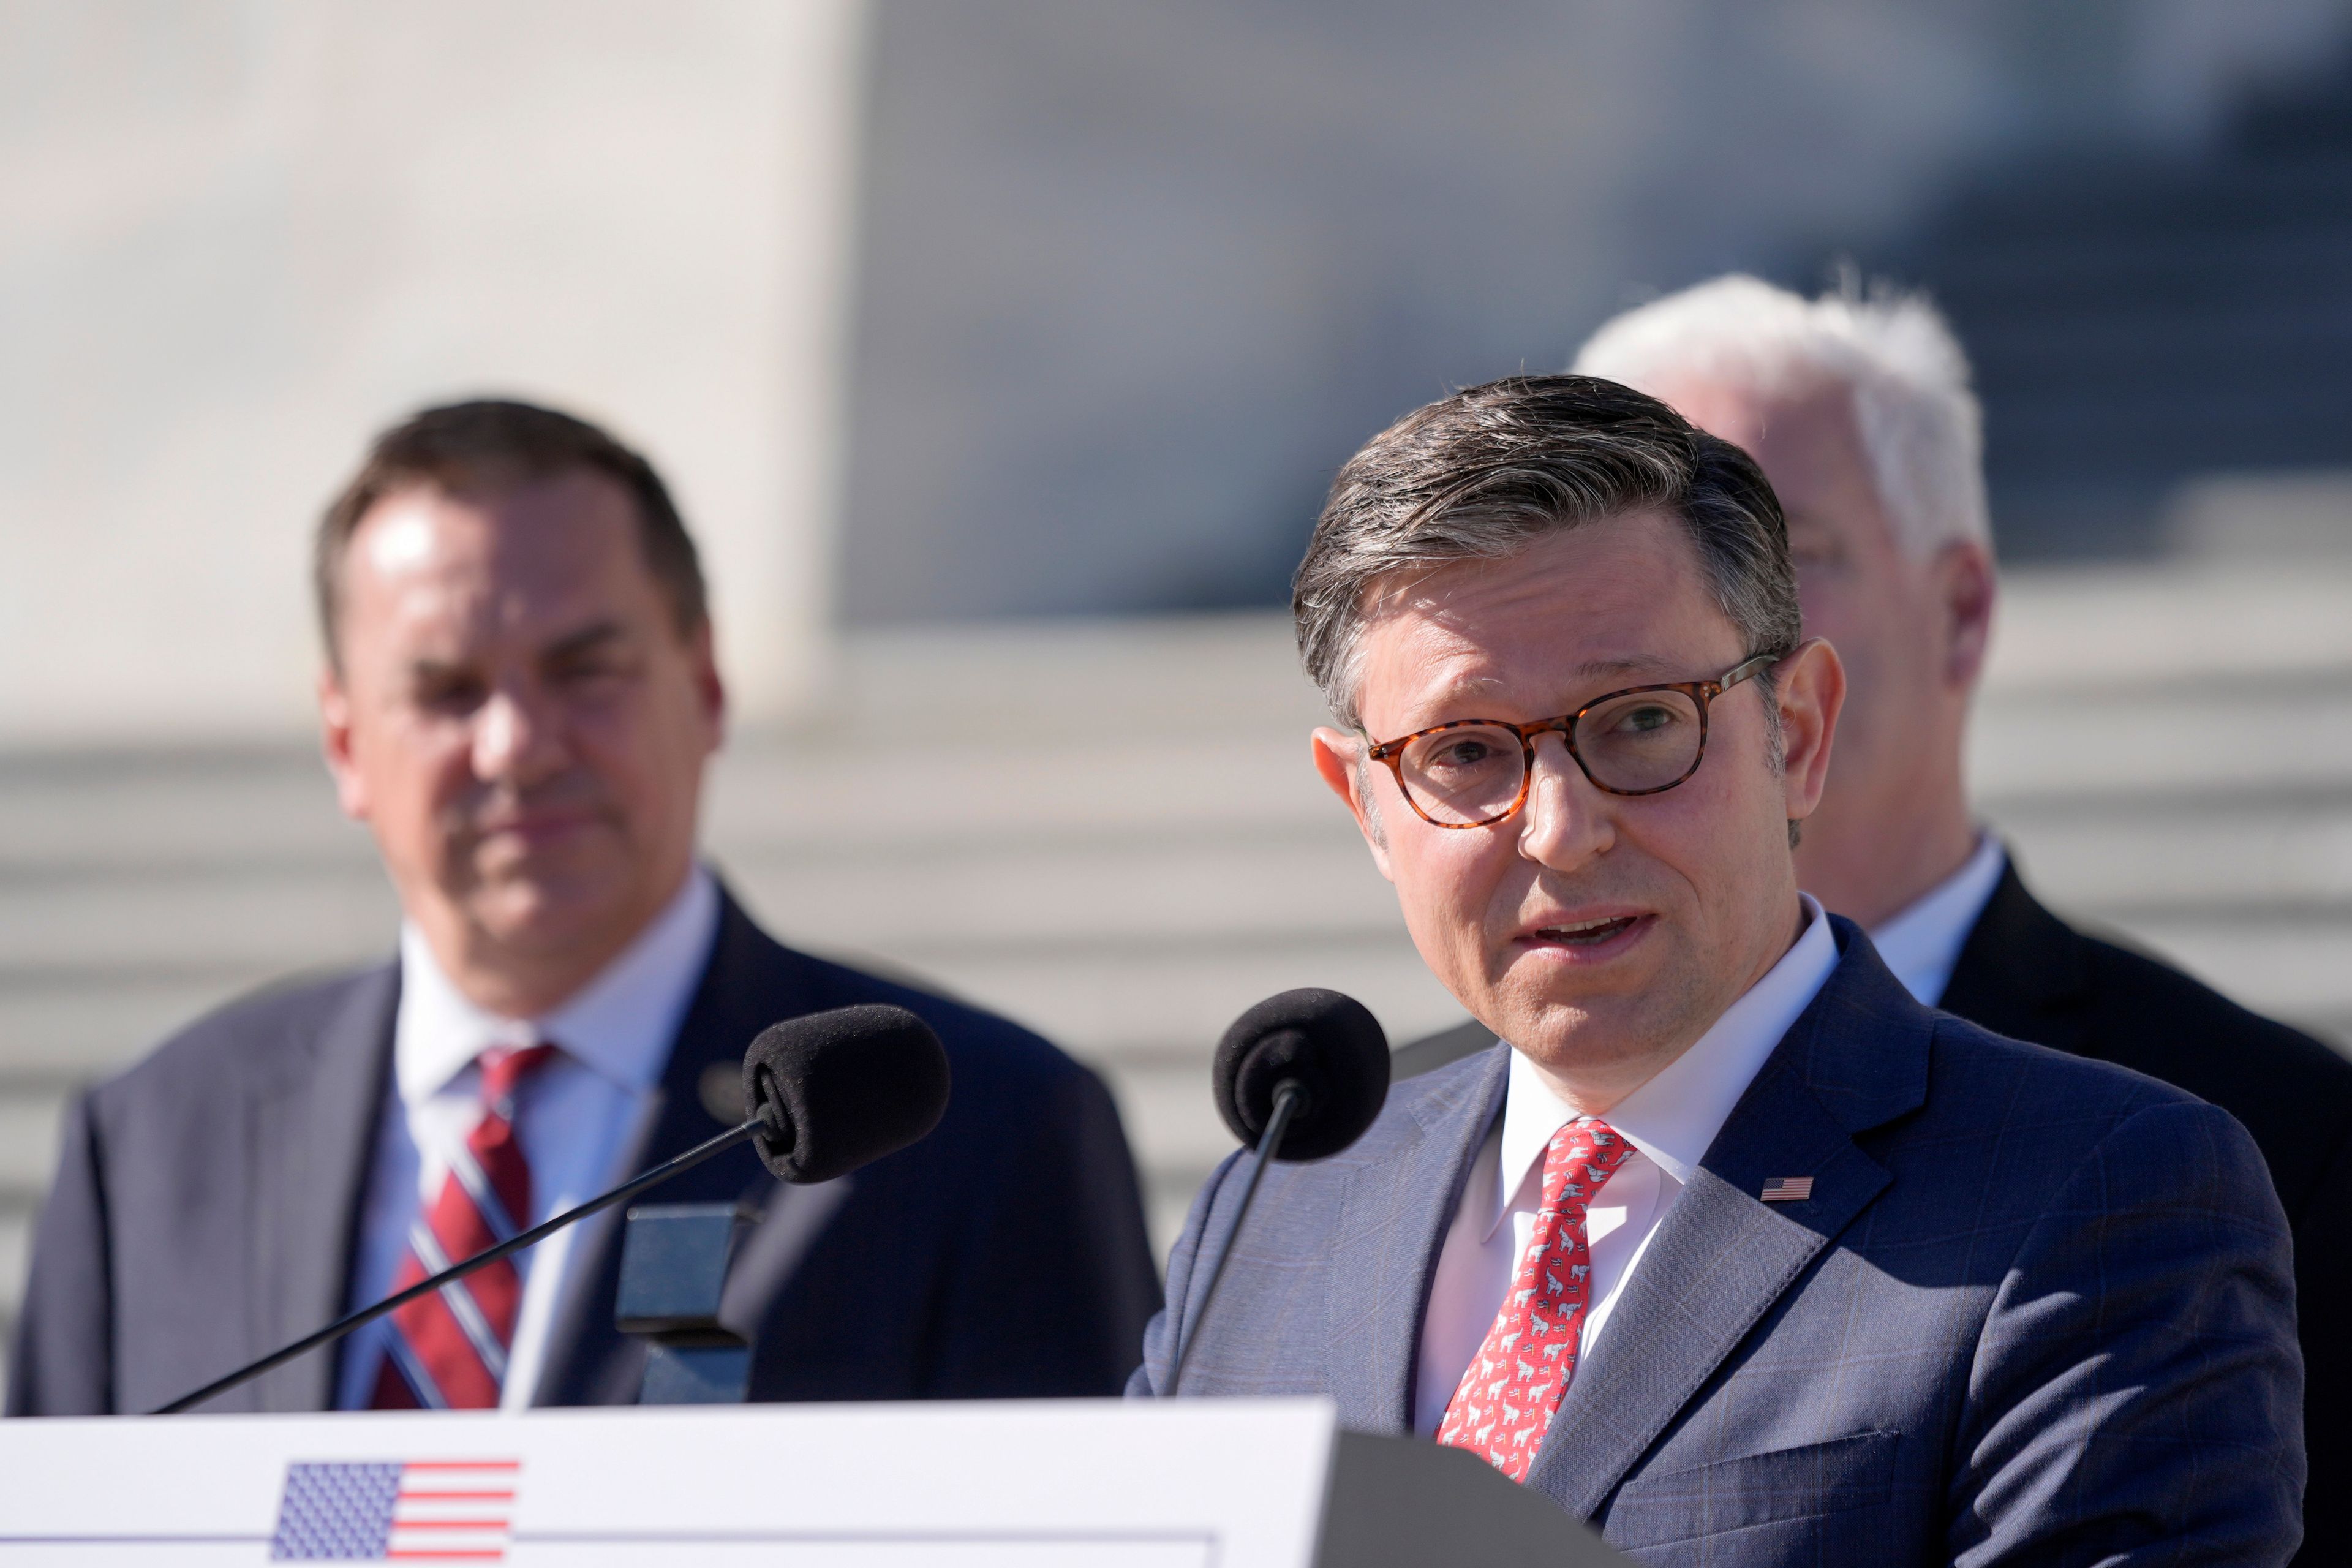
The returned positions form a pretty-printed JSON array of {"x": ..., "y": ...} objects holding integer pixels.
[{"x": 1754, "y": 667}]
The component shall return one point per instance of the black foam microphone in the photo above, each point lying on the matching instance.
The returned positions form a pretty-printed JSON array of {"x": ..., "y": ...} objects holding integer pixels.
[
  {"x": 828, "y": 1092},
  {"x": 835, "y": 1090},
  {"x": 1328, "y": 1046},
  {"x": 1301, "y": 1075}
]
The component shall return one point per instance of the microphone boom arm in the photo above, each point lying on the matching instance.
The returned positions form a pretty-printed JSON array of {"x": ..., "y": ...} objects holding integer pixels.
[
  {"x": 1288, "y": 1096},
  {"x": 540, "y": 1232}
]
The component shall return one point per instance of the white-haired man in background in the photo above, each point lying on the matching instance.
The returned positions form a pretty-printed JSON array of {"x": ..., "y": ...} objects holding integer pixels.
[
  {"x": 1859, "y": 409},
  {"x": 1861, "y": 416}
]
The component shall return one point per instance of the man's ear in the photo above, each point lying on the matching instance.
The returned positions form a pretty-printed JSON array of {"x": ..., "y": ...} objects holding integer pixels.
[
  {"x": 1966, "y": 588},
  {"x": 702, "y": 656},
  {"x": 1338, "y": 757},
  {"x": 335, "y": 745},
  {"x": 1810, "y": 690}
]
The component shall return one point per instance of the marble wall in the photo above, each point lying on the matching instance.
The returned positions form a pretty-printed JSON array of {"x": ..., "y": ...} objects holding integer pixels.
[{"x": 237, "y": 237}]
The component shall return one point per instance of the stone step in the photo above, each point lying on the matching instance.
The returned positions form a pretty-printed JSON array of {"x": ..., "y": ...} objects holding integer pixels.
[
  {"x": 1176, "y": 1134},
  {"x": 1146, "y": 885},
  {"x": 205, "y": 919},
  {"x": 262, "y": 806},
  {"x": 1142, "y": 999},
  {"x": 2259, "y": 736},
  {"x": 2101, "y": 200},
  {"x": 67, "y": 1026},
  {"x": 15, "y": 1249},
  {"x": 2124, "y": 628},
  {"x": 2040, "y": 279},
  {"x": 2141, "y": 869},
  {"x": 28, "y": 1141},
  {"x": 2296, "y": 964}
]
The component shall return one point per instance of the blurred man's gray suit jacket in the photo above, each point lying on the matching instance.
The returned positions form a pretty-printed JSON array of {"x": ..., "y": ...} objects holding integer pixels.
[
  {"x": 2037, "y": 1309},
  {"x": 207, "y": 1203}
]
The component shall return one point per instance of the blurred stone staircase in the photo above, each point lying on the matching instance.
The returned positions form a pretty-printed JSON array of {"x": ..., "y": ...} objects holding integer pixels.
[
  {"x": 2138, "y": 317},
  {"x": 1112, "y": 833}
]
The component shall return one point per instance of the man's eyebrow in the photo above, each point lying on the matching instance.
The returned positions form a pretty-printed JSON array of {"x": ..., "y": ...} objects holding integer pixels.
[
  {"x": 587, "y": 639},
  {"x": 428, "y": 668},
  {"x": 1632, "y": 664},
  {"x": 1469, "y": 688}
]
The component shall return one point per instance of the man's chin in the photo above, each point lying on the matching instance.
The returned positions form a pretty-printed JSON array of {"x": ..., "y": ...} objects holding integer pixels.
[
  {"x": 1563, "y": 1036},
  {"x": 1561, "y": 1029},
  {"x": 542, "y": 918}
]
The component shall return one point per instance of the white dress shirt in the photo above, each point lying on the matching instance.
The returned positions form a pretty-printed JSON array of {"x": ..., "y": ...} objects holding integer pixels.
[
  {"x": 1922, "y": 944},
  {"x": 579, "y": 1117},
  {"x": 1669, "y": 1120}
]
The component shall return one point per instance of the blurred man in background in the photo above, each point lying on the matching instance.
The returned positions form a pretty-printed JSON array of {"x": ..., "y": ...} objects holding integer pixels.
[
  {"x": 1860, "y": 412},
  {"x": 520, "y": 698}
]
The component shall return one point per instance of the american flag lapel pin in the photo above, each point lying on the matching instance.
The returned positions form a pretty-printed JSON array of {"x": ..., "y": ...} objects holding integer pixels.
[
  {"x": 448, "y": 1509},
  {"x": 1787, "y": 1190}
]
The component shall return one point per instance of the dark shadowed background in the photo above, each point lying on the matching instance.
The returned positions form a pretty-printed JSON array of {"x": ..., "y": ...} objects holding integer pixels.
[{"x": 1137, "y": 279}]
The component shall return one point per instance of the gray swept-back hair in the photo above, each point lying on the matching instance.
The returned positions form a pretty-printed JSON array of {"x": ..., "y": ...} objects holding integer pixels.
[
  {"x": 1487, "y": 472},
  {"x": 1921, "y": 429}
]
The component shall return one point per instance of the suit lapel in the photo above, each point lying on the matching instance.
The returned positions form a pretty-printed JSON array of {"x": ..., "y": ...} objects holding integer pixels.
[
  {"x": 1856, "y": 1058},
  {"x": 1717, "y": 1264},
  {"x": 1393, "y": 1216},
  {"x": 747, "y": 985},
  {"x": 314, "y": 1141},
  {"x": 2021, "y": 971}
]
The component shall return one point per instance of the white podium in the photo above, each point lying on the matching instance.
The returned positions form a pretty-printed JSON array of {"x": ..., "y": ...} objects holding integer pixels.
[{"x": 1194, "y": 1484}]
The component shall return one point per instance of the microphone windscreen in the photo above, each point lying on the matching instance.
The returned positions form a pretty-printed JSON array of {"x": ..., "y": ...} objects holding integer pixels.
[
  {"x": 840, "y": 1089},
  {"x": 1331, "y": 1044}
]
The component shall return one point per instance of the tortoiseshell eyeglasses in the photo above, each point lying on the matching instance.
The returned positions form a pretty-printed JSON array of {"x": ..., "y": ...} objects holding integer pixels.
[{"x": 1641, "y": 740}]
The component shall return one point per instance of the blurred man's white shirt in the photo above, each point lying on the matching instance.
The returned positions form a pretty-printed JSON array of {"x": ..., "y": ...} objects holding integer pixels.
[
  {"x": 1922, "y": 944},
  {"x": 578, "y": 1118}
]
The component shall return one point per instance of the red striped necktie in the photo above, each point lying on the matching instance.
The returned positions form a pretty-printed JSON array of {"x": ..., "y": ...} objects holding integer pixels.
[{"x": 447, "y": 1350}]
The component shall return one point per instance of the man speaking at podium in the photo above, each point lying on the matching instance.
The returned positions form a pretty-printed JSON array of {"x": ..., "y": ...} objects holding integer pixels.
[
  {"x": 1858, "y": 409},
  {"x": 1735, "y": 1249},
  {"x": 520, "y": 698}
]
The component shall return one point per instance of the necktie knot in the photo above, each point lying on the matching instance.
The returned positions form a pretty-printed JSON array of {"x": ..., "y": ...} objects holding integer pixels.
[
  {"x": 1580, "y": 1157},
  {"x": 504, "y": 1068}
]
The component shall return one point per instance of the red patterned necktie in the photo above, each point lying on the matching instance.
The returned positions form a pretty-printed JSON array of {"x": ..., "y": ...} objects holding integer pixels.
[
  {"x": 447, "y": 1350},
  {"x": 1503, "y": 1406}
]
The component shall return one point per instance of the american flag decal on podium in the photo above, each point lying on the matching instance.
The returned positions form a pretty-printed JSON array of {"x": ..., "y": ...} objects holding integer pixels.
[{"x": 417, "y": 1510}]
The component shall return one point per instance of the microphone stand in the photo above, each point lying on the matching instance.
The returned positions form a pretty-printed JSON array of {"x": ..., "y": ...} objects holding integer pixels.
[
  {"x": 365, "y": 1315},
  {"x": 1289, "y": 1095}
]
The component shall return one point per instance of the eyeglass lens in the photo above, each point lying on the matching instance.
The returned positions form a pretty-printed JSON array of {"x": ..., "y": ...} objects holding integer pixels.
[{"x": 1641, "y": 741}]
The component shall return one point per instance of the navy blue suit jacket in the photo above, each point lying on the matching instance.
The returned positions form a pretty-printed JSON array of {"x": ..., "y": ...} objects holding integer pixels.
[
  {"x": 2037, "y": 1309},
  {"x": 206, "y": 1202}
]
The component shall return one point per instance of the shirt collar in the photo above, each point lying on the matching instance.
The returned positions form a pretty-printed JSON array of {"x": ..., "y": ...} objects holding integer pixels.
[
  {"x": 1674, "y": 1117},
  {"x": 1922, "y": 944},
  {"x": 619, "y": 1025}
]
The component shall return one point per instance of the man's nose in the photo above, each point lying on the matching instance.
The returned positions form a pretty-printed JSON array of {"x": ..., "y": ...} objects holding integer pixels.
[
  {"x": 1565, "y": 822},
  {"x": 515, "y": 739}
]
